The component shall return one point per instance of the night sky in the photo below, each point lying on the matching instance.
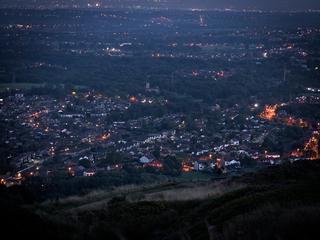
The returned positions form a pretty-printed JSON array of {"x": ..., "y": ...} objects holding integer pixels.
[{"x": 204, "y": 4}]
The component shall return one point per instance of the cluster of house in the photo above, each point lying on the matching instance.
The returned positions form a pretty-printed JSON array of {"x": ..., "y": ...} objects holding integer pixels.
[{"x": 76, "y": 128}]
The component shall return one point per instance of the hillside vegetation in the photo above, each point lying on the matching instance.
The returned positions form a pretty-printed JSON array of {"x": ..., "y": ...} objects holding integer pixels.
[{"x": 281, "y": 202}]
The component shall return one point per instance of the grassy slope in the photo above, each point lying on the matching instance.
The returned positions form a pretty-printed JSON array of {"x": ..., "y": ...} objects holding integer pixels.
[{"x": 282, "y": 202}]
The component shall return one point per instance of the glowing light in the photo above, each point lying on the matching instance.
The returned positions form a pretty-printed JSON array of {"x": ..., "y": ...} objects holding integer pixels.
[
  {"x": 220, "y": 74},
  {"x": 195, "y": 73},
  {"x": 3, "y": 181},
  {"x": 312, "y": 145},
  {"x": 105, "y": 137},
  {"x": 219, "y": 163},
  {"x": 265, "y": 54},
  {"x": 270, "y": 112},
  {"x": 297, "y": 153},
  {"x": 296, "y": 122},
  {"x": 133, "y": 99}
]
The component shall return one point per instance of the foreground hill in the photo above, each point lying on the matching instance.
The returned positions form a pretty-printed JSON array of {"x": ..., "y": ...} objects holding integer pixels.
[{"x": 281, "y": 202}]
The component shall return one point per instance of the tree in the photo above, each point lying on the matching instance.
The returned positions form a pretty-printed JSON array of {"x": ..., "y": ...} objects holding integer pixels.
[
  {"x": 172, "y": 166},
  {"x": 247, "y": 161},
  {"x": 85, "y": 163},
  {"x": 156, "y": 152}
]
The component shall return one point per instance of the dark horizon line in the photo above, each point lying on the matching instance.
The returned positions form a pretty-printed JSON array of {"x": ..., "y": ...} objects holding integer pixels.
[{"x": 165, "y": 8}]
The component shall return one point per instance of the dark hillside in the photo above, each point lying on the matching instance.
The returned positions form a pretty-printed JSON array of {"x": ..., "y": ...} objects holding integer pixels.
[{"x": 281, "y": 202}]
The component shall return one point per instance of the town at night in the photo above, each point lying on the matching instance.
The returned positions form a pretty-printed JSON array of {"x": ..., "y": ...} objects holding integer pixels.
[{"x": 160, "y": 119}]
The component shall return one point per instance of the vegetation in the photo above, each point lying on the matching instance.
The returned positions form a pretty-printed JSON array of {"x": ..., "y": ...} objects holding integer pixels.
[{"x": 280, "y": 202}]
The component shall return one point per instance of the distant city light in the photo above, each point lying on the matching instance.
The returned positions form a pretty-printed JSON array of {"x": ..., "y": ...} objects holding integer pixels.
[
  {"x": 265, "y": 54},
  {"x": 133, "y": 99}
]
